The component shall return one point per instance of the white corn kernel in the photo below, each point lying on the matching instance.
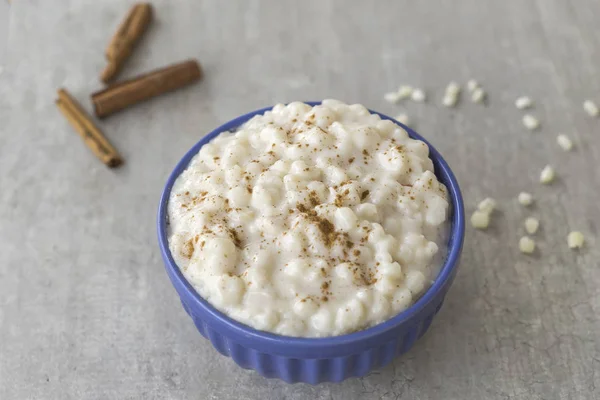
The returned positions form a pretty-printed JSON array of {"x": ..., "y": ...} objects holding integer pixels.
[
  {"x": 575, "y": 240},
  {"x": 525, "y": 199},
  {"x": 472, "y": 84},
  {"x": 478, "y": 95},
  {"x": 523, "y": 102},
  {"x": 547, "y": 174},
  {"x": 403, "y": 119},
  {"x": 449, "y": 100},
  {"x": 526, "y": 245},
  {"x": 591, "y": 108},
  {"x": 418, "y": 95},
  {"x": 480, "y": 220},
  {"x": 404, "y": 92},
  {"x": 392, "y": 97},
  {"x": 487, "y": 205},
  {"x": 564, "y": 142},
  {"x": 453, "y": 88},
  {"x": 451, "y": 95},
  {"x": 532, "y": 225},
  {"x": 530, "y": 122}
]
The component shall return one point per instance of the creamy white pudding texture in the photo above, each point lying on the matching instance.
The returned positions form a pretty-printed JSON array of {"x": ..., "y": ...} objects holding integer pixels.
[{"x": 310, "y": 221}]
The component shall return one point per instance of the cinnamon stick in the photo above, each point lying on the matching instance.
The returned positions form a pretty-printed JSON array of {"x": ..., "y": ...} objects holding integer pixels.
[
  {"x": 127, "y": 93},
  {"x": 91, "y": 135},
  {"x": 127, "y": 36}
]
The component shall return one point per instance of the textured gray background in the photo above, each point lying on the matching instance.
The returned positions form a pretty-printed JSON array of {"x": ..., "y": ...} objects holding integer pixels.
[
  {"x": 86, "y": 309},
  {"x": 4, "y": 14}
]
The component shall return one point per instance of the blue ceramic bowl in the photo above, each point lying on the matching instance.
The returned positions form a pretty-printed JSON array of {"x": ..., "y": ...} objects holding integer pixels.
[{"x": 314, "y": 360}]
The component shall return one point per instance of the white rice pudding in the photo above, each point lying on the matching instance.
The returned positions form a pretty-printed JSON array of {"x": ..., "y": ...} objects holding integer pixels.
[{"x": 310, "y": 221}]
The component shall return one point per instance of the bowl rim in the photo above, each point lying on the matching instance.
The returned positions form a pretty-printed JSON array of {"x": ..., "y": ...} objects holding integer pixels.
[{"x": 311, "y": 345}]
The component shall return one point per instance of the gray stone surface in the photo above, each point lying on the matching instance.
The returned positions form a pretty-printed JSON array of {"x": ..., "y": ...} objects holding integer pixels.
[
  {"x": 86, "y": 309},
  {"x": 4, "y": 19}
]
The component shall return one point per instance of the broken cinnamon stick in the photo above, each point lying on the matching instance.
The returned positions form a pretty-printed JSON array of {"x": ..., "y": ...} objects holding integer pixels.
[
  {"x": 127, "y": 93},
  {"x": 127, "y": 36},
  {"x": 91, "y": 135}
]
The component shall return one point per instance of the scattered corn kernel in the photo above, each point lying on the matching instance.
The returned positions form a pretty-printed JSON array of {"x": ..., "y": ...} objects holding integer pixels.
[
  {"x": 526, "y": 245},
  {"x": 523, "y": 102},
  {"x": 547, "y": 174},
  {"x": 449, "y": 100},
  {"x": 405, "y": 92},
  {"x": 392, "y": 97},
  {"x": 525, "y": 199},
  {"x": 451, "y": 95},
  {"x": 532, "y": 225},
  {"x": 575, "y": 240},
  {"x": 478, "y": 95},
  {"x": 530, "y": 122},
  {"x": 564, "y": 142},
  {"x": 418, "y": 95},
  {"x": 472, "y": 84},
  {"x": 591, "y": 108},
  {"x": 453, "y": 88},
  {"x": 480, "y": 219},
  {"x": 403, "y": 119},
  {"x": 487, "y": 205}
]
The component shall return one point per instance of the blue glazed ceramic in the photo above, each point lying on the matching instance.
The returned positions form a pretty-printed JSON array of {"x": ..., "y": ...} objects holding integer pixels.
[{"x": 315, "y": 360}]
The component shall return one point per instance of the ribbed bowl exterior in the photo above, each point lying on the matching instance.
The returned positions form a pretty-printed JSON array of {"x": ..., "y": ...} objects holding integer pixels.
[
  {"x": 320, "y": 359},
  {"x": 317, "y": 370}
]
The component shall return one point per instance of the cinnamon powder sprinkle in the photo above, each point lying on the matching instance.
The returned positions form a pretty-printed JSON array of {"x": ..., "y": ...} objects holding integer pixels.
[
  {"x": 313, "y": 198},
  {"x": 339, "y": 200},
  {"x": 325, "y": 226},
  {"x": 188, "y": 249},
  {"x": 235, "y": 238}
]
